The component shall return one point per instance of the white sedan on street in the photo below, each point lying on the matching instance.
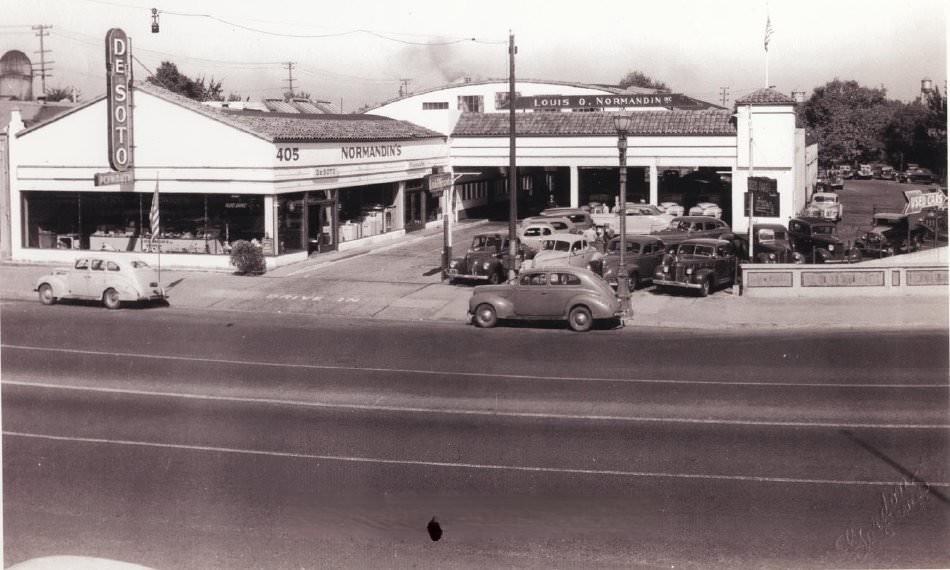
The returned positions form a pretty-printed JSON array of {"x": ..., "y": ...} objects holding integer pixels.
[{"x": 111, "y": 281}]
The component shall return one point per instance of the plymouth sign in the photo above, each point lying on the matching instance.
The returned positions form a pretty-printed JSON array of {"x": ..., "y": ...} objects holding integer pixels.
[
  {"x": 666, "y": 100},
  {"x": 119, "y": 98}
]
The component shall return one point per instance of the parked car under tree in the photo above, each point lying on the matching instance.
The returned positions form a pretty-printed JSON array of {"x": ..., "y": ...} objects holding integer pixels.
[{"x": 816, "y": 239}]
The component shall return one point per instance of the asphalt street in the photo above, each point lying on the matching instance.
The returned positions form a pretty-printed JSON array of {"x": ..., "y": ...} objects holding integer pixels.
[{"x": 182, "y": 439}]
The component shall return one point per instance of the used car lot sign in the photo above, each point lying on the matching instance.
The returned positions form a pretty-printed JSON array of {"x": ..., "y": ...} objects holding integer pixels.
[{"x": 119, "y": 98}]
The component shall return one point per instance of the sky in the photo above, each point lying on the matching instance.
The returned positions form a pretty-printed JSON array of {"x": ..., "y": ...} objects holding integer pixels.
[{"x": 369, "y": 46}]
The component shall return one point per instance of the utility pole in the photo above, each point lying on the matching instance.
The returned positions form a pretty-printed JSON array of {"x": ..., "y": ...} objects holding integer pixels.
[
  {"x": 512, "y": 167},
  {"x": 42, "y": 32},
  {"x": 724, "y": 95},
  {"x": 290, "y": 77}
]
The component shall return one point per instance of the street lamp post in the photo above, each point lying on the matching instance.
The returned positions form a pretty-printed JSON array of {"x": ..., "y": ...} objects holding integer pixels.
[{"x": 622, "y": 124}]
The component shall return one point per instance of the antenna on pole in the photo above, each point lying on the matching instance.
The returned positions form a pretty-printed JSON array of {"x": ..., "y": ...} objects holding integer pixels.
[
  {"x": 41, "y": 32},
  {"x": 290, "y": 77}
]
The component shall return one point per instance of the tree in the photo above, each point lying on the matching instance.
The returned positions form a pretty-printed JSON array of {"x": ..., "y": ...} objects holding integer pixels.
[
  {"x": 61, "y": 93},
  {"x": 849, "y": 121},
  {"x": 168, "y": 76},
  {"x": 640, "y": 79},
  {"x": 918, "y": 133}
]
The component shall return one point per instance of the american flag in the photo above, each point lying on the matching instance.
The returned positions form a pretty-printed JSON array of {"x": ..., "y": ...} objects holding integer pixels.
[
  {"x": 768, "y": 31},
  {"x": 153, "y": 217}
]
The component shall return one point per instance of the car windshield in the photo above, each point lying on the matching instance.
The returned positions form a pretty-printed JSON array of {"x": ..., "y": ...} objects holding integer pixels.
[
  {"x": 556, "y": 245},
  {"x": 885, "y": 222},
  {"x": 823, "y": 198},
  {"x": 139, "y": 264},
  {"x": 695, "y": 249},
  {"x": 823, "y": 230},
  {"x": 632, "y": 247},
  {"x": 485, "y": 242}
]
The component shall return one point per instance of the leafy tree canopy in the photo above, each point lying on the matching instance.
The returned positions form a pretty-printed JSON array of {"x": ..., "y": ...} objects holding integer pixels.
[
  {"x": 640, "y": 79},
  {"x": 168, "y": 76}
]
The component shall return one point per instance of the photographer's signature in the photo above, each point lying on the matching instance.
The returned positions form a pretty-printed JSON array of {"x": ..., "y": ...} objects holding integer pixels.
[{"x": 897, "y": 504}]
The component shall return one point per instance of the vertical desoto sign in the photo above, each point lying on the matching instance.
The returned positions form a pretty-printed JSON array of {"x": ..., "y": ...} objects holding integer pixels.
[{"x": 119, "y": 98}]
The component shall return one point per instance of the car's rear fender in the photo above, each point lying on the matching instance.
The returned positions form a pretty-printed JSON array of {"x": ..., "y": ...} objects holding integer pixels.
[
  {"x": 57, "y": 282},
  {"x": 598, "y": 308},
  {"x": 504, "y": 308}
]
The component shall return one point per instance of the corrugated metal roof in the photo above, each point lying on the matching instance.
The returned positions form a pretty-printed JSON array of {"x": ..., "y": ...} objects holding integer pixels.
[
  {"x": 709, "y": 122},
  {"x": 279, "y": 106},
  {"x": 304, "y": 106}
]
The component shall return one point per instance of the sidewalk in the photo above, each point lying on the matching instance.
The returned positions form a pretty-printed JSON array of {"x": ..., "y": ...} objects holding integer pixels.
[{"x": 429, "y": 299}]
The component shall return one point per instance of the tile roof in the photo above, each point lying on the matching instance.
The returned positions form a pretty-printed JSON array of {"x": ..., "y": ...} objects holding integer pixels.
[
  {"x": 765, "y": 97},
  {"x": 711, "y": 122},
  {"x": 300, "y": 127}
]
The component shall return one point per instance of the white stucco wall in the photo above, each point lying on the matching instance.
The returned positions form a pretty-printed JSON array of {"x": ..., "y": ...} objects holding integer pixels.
[
  {"x": 443, "y": 120},
  {"x": 192, "y": 153}
]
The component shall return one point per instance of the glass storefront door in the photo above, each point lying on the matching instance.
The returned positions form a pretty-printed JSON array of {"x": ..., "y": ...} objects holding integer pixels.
[{"x": 415, "y": 210}]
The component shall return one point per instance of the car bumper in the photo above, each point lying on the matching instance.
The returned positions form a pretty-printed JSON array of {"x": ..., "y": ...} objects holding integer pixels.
[
  {"x": 154, "y": 295},
  {"x": 455, "y": 274},
  {"x": 666, "y": 283}
]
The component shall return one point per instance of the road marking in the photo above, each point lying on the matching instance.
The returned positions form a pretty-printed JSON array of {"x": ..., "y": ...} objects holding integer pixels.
[
  {"x": 943, "y": 386},
  {"x": 470, "y": 412},
  {"x": 482, "y": 466}
]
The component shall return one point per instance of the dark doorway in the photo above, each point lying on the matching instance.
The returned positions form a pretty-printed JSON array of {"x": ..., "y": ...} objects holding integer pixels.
[
  {"x": 415, "y": 210},
  {"x": 321, "y": 225}
]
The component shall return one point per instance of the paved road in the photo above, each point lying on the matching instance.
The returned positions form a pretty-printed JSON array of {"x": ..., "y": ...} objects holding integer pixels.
[{"x": 182, "y": 439}]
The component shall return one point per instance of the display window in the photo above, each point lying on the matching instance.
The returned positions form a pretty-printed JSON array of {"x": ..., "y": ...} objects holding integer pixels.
[
  {"x": 366, "y": 211},
  {"x": 189, "y": 223}
]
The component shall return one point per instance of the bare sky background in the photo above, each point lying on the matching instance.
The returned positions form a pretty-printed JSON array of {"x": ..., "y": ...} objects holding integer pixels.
[{"x": 695, "y": 47}]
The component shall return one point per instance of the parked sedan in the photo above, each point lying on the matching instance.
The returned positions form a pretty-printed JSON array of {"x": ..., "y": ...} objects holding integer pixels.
[
  {"x": 671, "y": 208},
  {"x": 701, "y": 265},
  {"x": 706, "y": 209},
  {"x": 566, "y": 249},
  {"x": 110, "y": 281},
  {"x": 641, "y": 257},
  {"x": 557, "y": 293},
  {"x": 686, "y": 227}
]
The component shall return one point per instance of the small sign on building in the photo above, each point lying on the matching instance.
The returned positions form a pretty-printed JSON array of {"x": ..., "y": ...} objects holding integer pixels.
[
  {"x": 438, "y": 183},
  {"x": 110, "y": 178},
  {"x": 766, "y": 201}
]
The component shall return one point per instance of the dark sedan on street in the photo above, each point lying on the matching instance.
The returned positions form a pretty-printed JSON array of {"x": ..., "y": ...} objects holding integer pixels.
[
  {"x": 554, "y": 293},
  {"x": 641, "y": 257}
]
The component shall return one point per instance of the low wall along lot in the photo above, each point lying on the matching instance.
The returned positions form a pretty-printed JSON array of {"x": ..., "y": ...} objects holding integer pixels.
[{"x": 764, "y": 280}]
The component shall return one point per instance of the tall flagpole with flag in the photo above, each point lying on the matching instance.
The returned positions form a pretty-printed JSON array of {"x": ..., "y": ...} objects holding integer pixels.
[
  {"x": 154, "y": 221},
  {"x": 768, "y": 36}
]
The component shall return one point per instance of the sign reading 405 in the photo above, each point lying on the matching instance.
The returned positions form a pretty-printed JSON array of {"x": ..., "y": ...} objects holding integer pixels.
[{"x": 288, "y": 154}]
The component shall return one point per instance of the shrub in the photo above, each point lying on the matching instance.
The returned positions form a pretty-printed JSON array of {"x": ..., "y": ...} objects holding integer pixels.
[{"x": 248, "y": 258}]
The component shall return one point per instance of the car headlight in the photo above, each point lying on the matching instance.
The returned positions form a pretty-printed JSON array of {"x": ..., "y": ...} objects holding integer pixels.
[
  {"x": 772, "y": 256},
  {"x": 689, "y": 270},
  {"x": 454, "y": 263},
  {"x": 666, "y": 269},
  {"x": 486, "y": 265},
  {"x": 831, "y": 247}
]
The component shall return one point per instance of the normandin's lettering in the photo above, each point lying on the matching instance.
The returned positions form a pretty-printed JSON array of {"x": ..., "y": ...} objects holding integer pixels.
[{"x": 371, "y": 151}]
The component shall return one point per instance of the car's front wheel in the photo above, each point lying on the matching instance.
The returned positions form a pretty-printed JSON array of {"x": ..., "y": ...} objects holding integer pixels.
[
  {"x": 580, "y": 319},
  {"x": 706, "y": 287},
  {"x": 111, "y": 299},
  {"x": 46, "y": 294},
  {"x": 485, "y": 316}
]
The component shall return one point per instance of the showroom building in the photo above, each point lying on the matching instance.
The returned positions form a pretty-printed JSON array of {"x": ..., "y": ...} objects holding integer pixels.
[
  {"x": 292, "y": 184},
  {"x": 679, "y": 149}
]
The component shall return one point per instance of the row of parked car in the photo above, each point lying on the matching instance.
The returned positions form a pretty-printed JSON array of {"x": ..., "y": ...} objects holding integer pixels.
[{"x": 565, "y": 277}]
